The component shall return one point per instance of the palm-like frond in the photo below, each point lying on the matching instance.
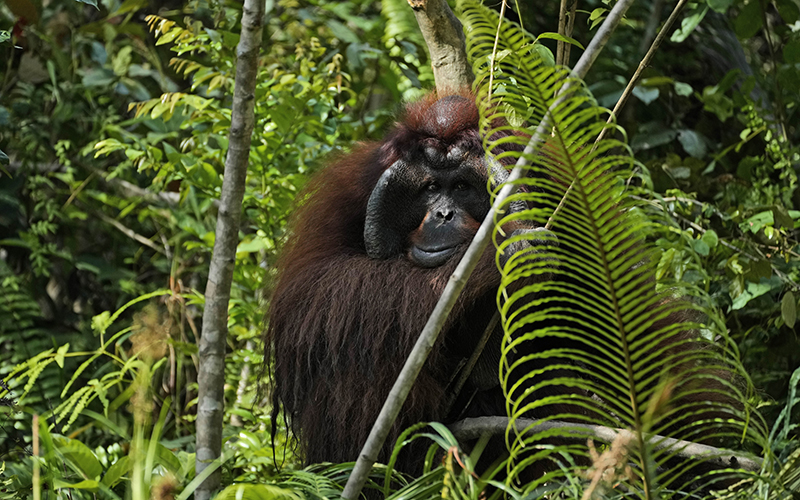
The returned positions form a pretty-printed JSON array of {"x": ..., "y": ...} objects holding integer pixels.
[{"x": 588, "y": 339}]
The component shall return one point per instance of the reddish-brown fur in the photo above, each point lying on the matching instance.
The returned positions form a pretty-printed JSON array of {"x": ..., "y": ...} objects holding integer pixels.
[{"x": 341, "y": 324}]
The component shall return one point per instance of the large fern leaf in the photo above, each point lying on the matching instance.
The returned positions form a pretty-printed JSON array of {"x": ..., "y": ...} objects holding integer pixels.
[{"x": 588, "y": 339}]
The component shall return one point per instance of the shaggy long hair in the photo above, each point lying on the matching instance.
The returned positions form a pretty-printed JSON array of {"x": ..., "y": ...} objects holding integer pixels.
[{"x": 342, "y": 324}]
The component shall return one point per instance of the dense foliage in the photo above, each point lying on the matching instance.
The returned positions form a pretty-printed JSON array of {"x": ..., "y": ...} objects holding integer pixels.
[{"x": 114, "y": 119}]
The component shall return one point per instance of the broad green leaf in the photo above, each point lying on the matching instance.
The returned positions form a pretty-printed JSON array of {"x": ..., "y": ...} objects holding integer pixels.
[
  {"x": 89, "y": 485},
  {"x": 701, "y": 247},
  {"x": 720, "y": 5},
  {"x": 752, "y": 291},
  {"x": 789, "y": 309},
  {"x": 689, "y": 23},
  {"x": 683, "y": 89},
  {"x": 692, "y": 143},
  {"x": 791, "y": 51},
  {"x": 250, "y": 491},
  {"x": 749, "y": 20},
  {"x": 117, "y": 471},
  {"x": 711, "y": 238},
  {"x": 758, "y": 221},
  {"x": 644, "y": 94},
  {"x": 788, "y": 10},
  {"x": 561, "y": 38},
  {"x": 79, "y": 456}
]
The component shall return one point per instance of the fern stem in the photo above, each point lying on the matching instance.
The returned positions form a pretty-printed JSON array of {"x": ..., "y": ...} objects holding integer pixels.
[{"x": 626, "y": 350}]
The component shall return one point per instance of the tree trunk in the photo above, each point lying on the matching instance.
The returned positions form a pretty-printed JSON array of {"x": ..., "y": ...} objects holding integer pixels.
[{"x": 211, "y": 373}]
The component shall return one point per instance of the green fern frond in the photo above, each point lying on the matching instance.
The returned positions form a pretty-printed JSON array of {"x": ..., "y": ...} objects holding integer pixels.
[{"x": 588, "y": 339}]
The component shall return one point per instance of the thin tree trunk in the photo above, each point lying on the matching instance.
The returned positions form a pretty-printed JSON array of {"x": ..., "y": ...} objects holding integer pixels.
[
  {"x": 211, "y": 373},
  {"x": 444, "y": 37}
]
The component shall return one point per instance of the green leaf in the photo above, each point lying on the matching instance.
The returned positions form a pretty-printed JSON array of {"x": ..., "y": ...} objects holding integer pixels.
[
  {"x": 166, "y": 458},
  {"x": 3, "y": 158},
  {"x": 758, "y": 221},
  {"x": 689, "y": 23},
  {"x": 62, "y": 351},
  {"x": 93, "y": 3},
  {"x": 701, "y": 247},
  {"x": 692, "y": 143},
  {"x": 79, "y": 455},
  {"x": 561, "y": 38},
  {"x": 788, "y": 10},
  {"x": 646, "y": 95},
  {"x": 342, "y": 32},
  {"x": 789, "y": 309},
  {"x": 720, "y": 5},
  {"x": 711, "y": 238},
  {"x": 597, "y": 16},
  {"x": 715, "y": 100},
  {"x": 117, "y": 471},
  {"x": 791, "y": 51},
  {"x": 749, "y": 20},
  {"x": 683, "y": 89},
  {"x": 782, "y": 217},
  {"x": 545, "y": 53},
  {"x": 752, "y": 291},
  {"x": 88, "y": 485},
  {"x": 250, "y": 491}
]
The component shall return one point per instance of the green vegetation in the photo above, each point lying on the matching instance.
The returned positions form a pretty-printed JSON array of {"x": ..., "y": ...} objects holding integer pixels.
[{"x": 114, "y": 120}]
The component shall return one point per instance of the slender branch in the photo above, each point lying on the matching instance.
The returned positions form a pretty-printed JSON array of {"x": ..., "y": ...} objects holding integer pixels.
[
  {"x": 210, "y": 376},
  {"x": 566, "y": 24},
  {"x": 427, "y": 339},
  {"x": 573, "y": 9},
  {"x": 644, "y": 64},
  {"x": 444, "y": 37},
  {"x": 130, "y": 233},
  {"x": 494, "y": 47},
  {"x": 474, "y": 428},
  {"x": 624, "y": 97},
  {"x": 562, "y": 30},
  {"x": 466, "y": 371}
]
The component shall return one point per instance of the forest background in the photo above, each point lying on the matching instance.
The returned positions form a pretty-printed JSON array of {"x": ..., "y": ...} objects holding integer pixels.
[{"x": 114, "y": 122}]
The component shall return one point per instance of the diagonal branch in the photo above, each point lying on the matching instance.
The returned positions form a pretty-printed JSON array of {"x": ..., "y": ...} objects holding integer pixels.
[{"x": 720, "y": 458}]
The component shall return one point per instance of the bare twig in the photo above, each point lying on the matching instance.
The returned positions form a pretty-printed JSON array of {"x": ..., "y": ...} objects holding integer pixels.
[
  {"x": 494, "y": 47},
  {"x": 466, "y": 370},
  {"x": 562, "y": 30},
  {"x": 566, "y": 24},
  {"x": 474, "y": 428},
  {"x": 573, "y": 9},
  {"x": 130, "y": 233},
  {"x": 644, "y": 64},
  {"x": 425, "y": 342}
]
